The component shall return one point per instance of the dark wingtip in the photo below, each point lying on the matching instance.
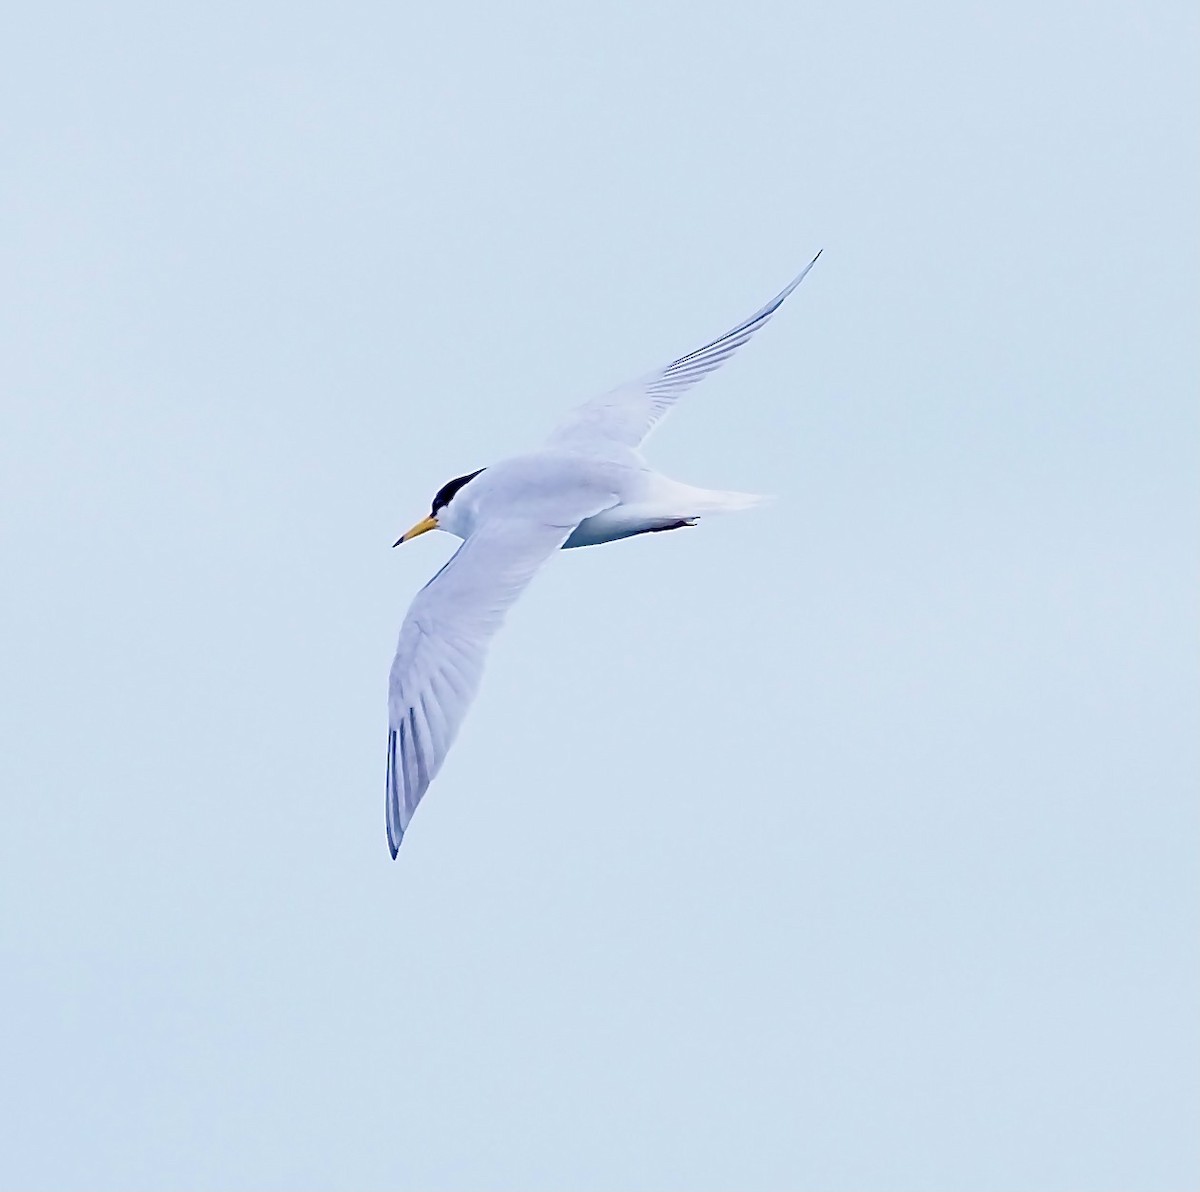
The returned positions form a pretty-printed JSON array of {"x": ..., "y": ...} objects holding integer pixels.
[{"x": 395, "y": 833}]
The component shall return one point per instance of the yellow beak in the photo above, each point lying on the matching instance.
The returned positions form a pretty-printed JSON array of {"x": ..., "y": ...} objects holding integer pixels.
[{"x": 422, "y": 527}]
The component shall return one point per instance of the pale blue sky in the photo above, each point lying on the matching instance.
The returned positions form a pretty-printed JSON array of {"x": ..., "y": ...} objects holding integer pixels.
[{"x": 845, "y": 846}]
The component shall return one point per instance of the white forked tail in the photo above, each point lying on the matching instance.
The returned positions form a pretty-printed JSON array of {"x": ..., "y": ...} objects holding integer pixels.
[
  {"x": 730, "y": 502},
  {"x": 701, "y": 501}
]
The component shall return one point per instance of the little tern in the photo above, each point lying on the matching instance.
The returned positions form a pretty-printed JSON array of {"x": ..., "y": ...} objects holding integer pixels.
[{"x": 586, "y": 485}]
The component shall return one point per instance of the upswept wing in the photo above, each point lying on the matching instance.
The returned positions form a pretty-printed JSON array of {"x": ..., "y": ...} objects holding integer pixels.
[
  {"x": 443, "y": 643},
  {"x": 627, "y": 414}
]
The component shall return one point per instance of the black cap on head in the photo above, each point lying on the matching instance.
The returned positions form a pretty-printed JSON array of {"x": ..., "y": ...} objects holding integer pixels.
[{"x": 445, "y": 494}]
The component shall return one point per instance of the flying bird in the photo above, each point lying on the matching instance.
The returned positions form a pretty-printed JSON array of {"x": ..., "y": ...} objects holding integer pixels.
[{"x": 587, "y": 484}]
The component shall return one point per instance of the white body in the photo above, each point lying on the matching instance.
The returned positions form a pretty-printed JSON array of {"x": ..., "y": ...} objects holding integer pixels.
[{"x": 553, "y": 480}]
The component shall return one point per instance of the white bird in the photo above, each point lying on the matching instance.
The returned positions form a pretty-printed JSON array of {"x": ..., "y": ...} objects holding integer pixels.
[{"x": 586, "y": 485}]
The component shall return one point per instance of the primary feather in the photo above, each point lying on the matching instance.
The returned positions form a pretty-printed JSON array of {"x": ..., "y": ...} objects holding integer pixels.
[{"x": 630, "y": 412}]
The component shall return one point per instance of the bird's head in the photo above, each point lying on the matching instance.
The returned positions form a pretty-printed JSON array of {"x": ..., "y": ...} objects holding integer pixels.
[{"x": 447, "y": 512}]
